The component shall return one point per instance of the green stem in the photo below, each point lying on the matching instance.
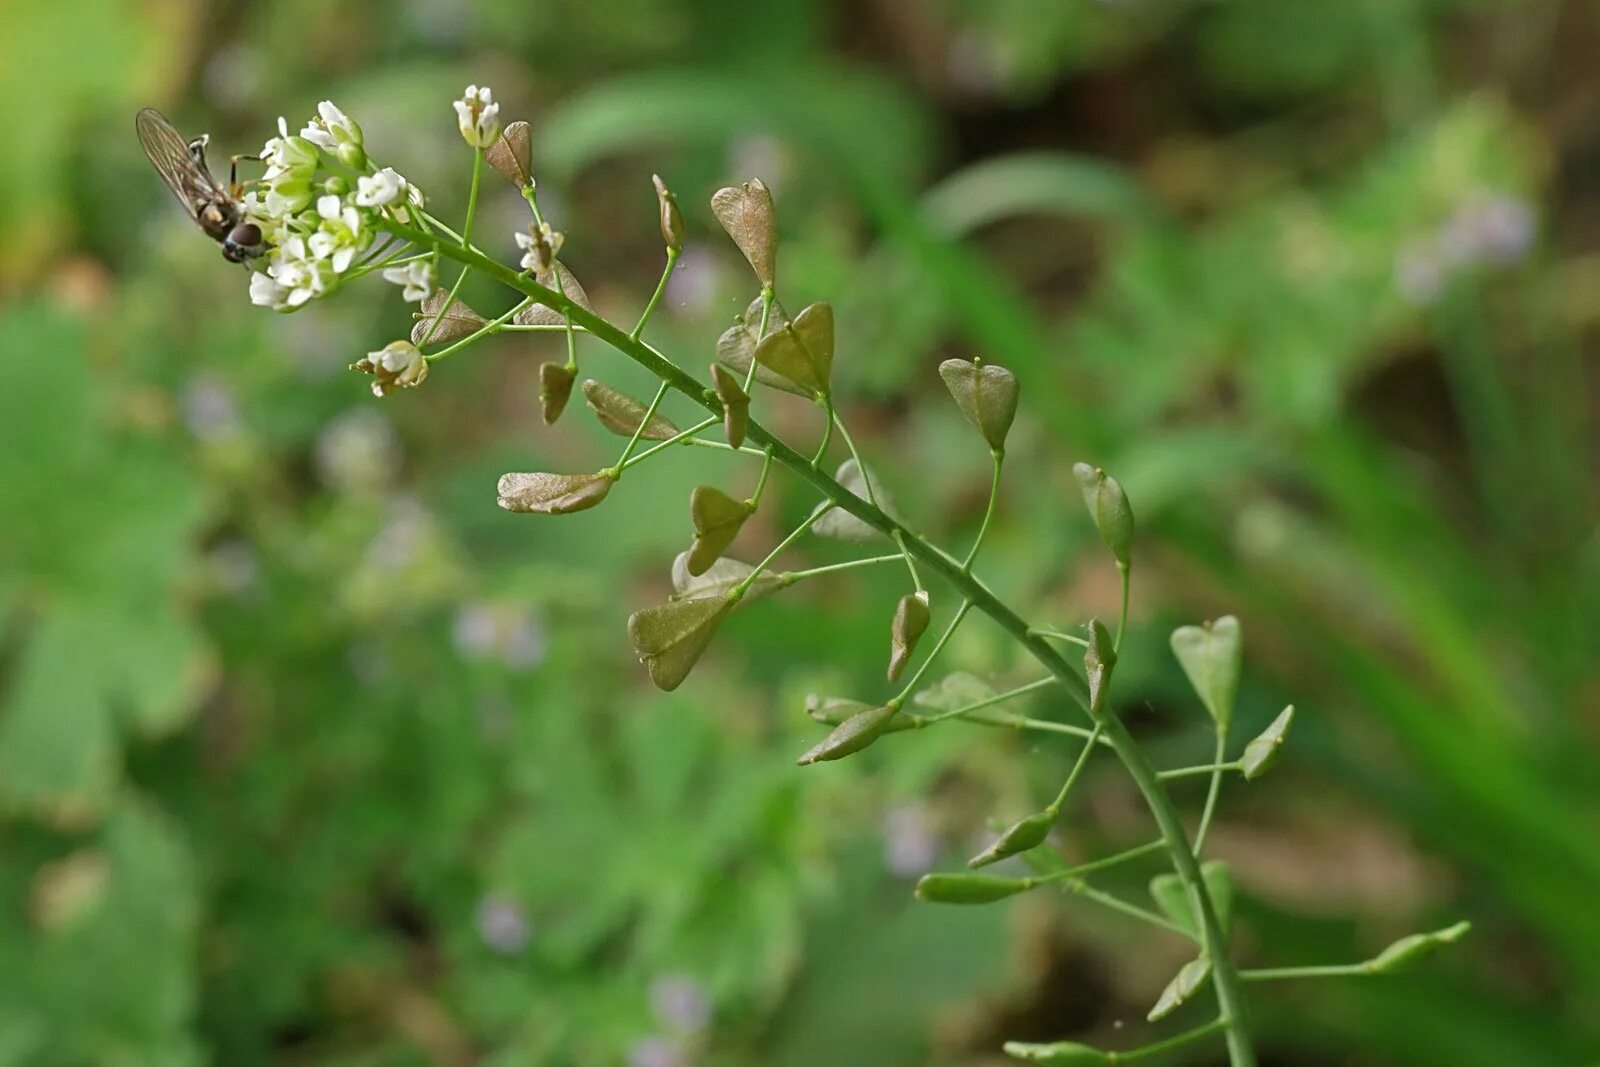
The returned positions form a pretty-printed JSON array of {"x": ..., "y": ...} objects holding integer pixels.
[
  {"x": 1204, "y": 768},
  {"x": 872, "y": 496},
  {"x": 633, "y": 441},
  {"x": 1213, "y": 792},
  {"x": 761, "y": 481},
  {"x": 703, "y": 442},
  {"x": 472, "y": 197},
  {"x": 1224, "y": 977},
  {"x": 827, "y": 438},
  {"x": 1333, "y": 970},
  {"x": 990, "y": 701},
  {"x": 682, "y": 437},
  {"x": 988, "y": 512},
  {"x": 761, "y": 332},
  {"x": 790, "y": 577},
  {"x": 1072, "y": 776},
  {"x": 1059, "y": 636},
  {"x": 1078, "y": 887},
  {"x": 922, "y": 668},
  {"x": 655, "y": 297},
  {"x": 538, "y": 327},
  {"x": 1126, "y": 570},
  {"x": 798, "y": 532},
  {"x": 492, "y": 326},
  {"x": 1176, "y": 1041}
]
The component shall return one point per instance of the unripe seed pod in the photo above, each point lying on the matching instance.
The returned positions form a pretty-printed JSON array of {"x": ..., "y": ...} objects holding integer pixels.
[
  {"x": 969, "y": 888},
  {"x": 671, "y": 217},
  {"x": 986, "y": 395},
  {"x": 1108, "y": 506},
  {"x": 911, "y": 617}
]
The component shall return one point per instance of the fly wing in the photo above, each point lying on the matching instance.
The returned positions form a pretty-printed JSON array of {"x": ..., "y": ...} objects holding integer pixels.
[{"x": 170, "y": 155}]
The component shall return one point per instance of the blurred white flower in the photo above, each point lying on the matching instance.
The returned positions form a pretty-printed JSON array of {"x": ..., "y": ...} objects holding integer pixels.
[
  {"x": 415, "y": 278},
  {"x": 910, "y": 842},
  {"x": 656, "y": 1052},
  {"x": 485, "y": 631},
  {"x": 478, "y": 116},
  {"x": 680, "y": 1003},
  {"x": 209, "y": 409},
  {"x": 358, "y": 451},
  {"x": 502, "y": 924}
]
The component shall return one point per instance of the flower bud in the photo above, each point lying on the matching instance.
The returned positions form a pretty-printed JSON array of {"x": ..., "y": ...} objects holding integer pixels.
[
  {"x": 717, "y": 519},
  {"x": 986, "y": 395},
  {"x": 351, "y": 155},
  {"x": 969, "y": 888},
  {"x": 454, "y": 322},
  {"x": 1261, "y": 753},
  {"x": 512, "y": 154},
  {"x": 911, "y": 617},
  {"x": 669, "y": 638},
  {"x": 671, "y": 217},
  {"x": 397, "y": 365},
  {"x": 335, "y": 185},
  {"x": 831, "y": 711},
  {"x": 851, "y": 736},
  {"x": 555, "y": 387},
  {"x": 735, "y": 404},
  {"x": 1210, "y": 656},
  {"x": 1020, "y": 836},
  {"x": 553, "y": 494},
  {"x": 1407, "y": 951},
  {"x": 1108, "y": 506},
  {"x": 746, "y": 213},
  {"x": 802, "y": 351},
  {"x": 1057, "y": 1054},
  {"x": 1188, "y": 981},
  {"x": 621, "y": 413}
]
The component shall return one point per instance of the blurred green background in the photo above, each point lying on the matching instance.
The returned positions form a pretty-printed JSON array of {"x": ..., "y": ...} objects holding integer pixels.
[{"x": 311, "y": 755}]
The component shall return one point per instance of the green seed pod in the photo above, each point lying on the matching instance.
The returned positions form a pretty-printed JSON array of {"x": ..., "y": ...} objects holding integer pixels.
[
  {"x": 831, "y": 711},
  {"x": 851, "y": 736},
  {"x": 842, "y": 525},
  {"x": 1057, "y": 1054},
  {"x": 736, "y": 349},
  {"x": 1261, "y": 753},
  {"x": 553, "y": 494},
  {"x": 1108, "y": 506},
  {"x": 1172, "y": 899},
  {"x": 911, "y": 617},
  {"x": 669, "y": 638},
  {"x": 1188, "y": 981},
  {"x": 717, "y": 518},
  {"x": 719, "y": 578},
  {"x": 986, "y": 395},
  {"x": 1168, "y": 891},
  {"x": 457, "y": 321},
  {"x": 735, "y": 404},
  {"x": 1098, "y": 660},
  {"x": 802, "y": 351},
  {"x": 555, "y": 388},
  {"x": 561, "y": 280},
  {"x": 671, "y": 217},
  {"x": 1407, "y": 951},
  {"x": 1020, "y": 836},
  {"x": 621, "y": 413},
  {"x": 1210, "y": 655},
  {"x": 969, "y": 888},
  {"x": 747, "y": 214},
  {"x": 512, "y": 154},
  {"x": 352, "y": 155}
]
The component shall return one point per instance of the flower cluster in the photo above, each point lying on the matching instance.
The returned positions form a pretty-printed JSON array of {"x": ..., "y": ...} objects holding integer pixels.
[
  {"x": 315, "y": 223},
  {"x": 478, "y": 116}
]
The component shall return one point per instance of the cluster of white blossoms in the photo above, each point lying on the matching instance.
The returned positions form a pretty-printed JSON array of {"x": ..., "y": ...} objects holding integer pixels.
[
  {"x": 478, "y": 116},
  {"x": 314, "y": 223}
]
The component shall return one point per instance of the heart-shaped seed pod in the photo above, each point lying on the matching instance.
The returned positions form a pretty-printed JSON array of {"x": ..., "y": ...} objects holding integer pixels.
[
  {"x": 746, "y": 213},
  {"x": 986, "y": 395}
]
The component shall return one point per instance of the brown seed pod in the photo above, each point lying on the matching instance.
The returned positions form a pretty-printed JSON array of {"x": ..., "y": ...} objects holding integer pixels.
[
  {"x": 669, "y": 638},
  {"x": 802, "y": 351},
  {"x": 621, "y": 413},
  {"x": 552, "y": 494},
  {"x": 555, "y": 388},
  {"x": 512, "y": 154},
  {"x": 458, "y": 320},
  {"x": 735, "y": 404},
  {"x": 746, "y": 212},
  {"x": 717, "y": 520}
]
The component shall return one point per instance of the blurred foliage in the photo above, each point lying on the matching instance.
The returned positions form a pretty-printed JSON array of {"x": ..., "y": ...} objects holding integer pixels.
[{"x": 310, "y": 754}]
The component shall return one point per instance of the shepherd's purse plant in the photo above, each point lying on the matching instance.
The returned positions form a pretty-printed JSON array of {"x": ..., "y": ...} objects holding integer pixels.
[{"x": 325, "y": 213}]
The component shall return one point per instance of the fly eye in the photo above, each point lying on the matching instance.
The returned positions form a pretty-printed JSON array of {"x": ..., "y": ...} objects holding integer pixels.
[{"x": 246, "y": 234}]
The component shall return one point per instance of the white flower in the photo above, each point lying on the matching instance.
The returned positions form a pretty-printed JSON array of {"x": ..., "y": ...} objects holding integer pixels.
[
  {"x": 397, "y": 365},
  {"x": 286, "y": 155},
  {"x": 540, "y": 247},
  {"x": 381, "y": 189},
  {"x": 294, "y": 269},
  {"x": 478, "y": 116},
  {"x": 342, "y": 233},
  {"x": 331, "y": 128},
  {"x": 416, "y": 278},
  {"x": 266, "y": 292}
]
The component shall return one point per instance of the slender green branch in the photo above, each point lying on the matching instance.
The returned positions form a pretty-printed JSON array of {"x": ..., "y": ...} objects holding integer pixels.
[
  {"x": 1332, "y": 970},
  {"x": 1077, "y": 772},
  {"x": 1225, "y": 978},
  {"x": 706, "y": 442},
  {"x": 538, "y": 327},
  {"x": 492, "y": 326},
  {"x": 682, "y": 437},
  {"x": 1213, "y": 791},
  {"x": 472, "y": 197},
  {"x": 761, "y": 332},
  {"x": 795, "y": 535},
  {"x": 1176, "y": 1041},
  {"x": 991, "y": 701},
  {"x": 1080, "y": 888},
  {"x": 790, "y": 577},
  {"x": 1059, "y": 636},
  {"x": 988, "y": 512},
  {"x": 872, "y": 494},
  {"x": 633, "y": 440},
  {"x": 655, "y": 297},
  {"x": 1204, "y": 768},
  {"x": 922, "y": 668},
  {"x": 1125, "y": 570},
  {"x": 827, "y": 436},
  {"x": 761, "y": 481}
]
